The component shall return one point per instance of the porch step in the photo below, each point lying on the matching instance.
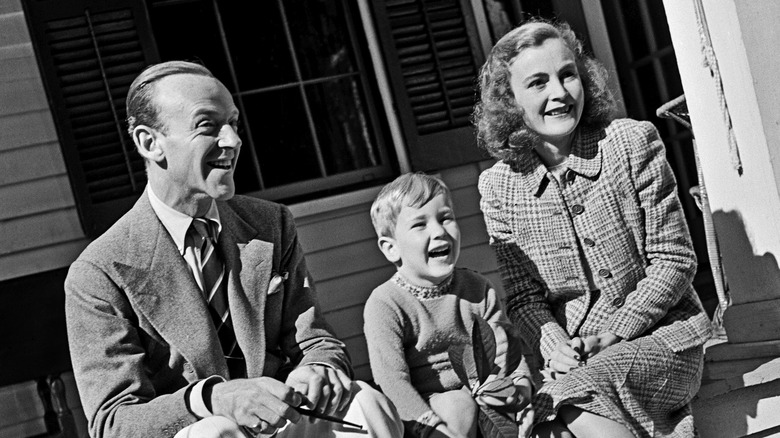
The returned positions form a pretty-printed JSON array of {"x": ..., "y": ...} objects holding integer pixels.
[{"x": 740, "y": 392}]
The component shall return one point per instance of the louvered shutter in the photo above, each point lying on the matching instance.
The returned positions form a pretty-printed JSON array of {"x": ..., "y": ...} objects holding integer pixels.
[
  {"x": 432, "y": 55},
  {"x": 89, "y": 52}
]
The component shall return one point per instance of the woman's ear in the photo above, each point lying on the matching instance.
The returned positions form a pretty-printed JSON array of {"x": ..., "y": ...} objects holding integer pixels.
[
  {"x": 389, "y": 248},
  {"x": 147, "y": 143}
]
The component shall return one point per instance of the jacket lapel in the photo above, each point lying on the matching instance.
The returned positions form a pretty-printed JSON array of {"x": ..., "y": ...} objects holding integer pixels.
[
  {"x": 249, "y": 263},
  {"x": 159, "y": 281}
]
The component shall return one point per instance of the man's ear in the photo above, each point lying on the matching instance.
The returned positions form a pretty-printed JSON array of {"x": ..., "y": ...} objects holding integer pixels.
[
  {"x": 389, "y": 248},
  {"x": 146, "y": 141}
]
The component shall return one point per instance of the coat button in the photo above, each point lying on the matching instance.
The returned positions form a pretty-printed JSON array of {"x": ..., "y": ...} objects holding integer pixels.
[
  {"x": 589, "y": 242},
  {"x": 570, "y": 175},
  {"x": 618, "y": 302},
  {"x": 577, "y": 209},
  {"x": 605, "y": 273},
  {"x": 188, "y": 368}
]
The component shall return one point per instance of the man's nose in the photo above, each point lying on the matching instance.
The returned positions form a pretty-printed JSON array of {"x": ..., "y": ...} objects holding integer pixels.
[{"x": 228, "y": 137}]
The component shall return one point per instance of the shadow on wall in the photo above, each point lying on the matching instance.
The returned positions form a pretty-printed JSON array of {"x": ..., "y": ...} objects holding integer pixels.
[
  {"x": 751, "y": 277},
  {"x": 754, "y": 284}
]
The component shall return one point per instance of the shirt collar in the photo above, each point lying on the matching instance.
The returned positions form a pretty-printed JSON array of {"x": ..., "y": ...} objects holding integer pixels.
[
  {"x": 584, "y": 159},
  {"x": 176, "y": 222}
]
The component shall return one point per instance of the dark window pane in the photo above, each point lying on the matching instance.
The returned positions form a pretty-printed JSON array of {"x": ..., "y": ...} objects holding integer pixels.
[
  {"x": 671, "y": 75},
  {"x": 198, "y": 40},
  {"x": 660, "y": 25},
  {"x": 258, "y": 45},
  {"x": 342, "y": 126},
  {"x": 246, "y": 176},
  {"x": 320, "y": 36},
  {"x": 633, "y": 21},
  {"x": 282, "y": 138}
]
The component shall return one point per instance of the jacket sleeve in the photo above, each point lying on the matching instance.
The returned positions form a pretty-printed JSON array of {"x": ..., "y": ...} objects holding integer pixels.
[
  {"x": 109, "y": 362},
  {"x": 670, "y": 259},
  {"x": 305, "y": 336},
  {"x": 526, "y": 306}
]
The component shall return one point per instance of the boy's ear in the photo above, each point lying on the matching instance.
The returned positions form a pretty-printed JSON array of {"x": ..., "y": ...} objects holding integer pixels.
[
  {"x": 389, "y": 248},
  {"x": 145, "y": 139}
]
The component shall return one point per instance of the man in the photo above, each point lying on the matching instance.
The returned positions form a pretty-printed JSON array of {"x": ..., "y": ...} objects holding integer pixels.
[{"x": 194, "y": 315}]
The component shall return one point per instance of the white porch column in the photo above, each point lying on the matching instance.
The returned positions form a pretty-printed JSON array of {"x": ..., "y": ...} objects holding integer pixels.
[{"x": 746, "y": 208}]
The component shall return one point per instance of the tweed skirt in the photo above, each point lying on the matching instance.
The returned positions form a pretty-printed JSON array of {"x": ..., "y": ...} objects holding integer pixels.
[{"x": 641, "y": 384}]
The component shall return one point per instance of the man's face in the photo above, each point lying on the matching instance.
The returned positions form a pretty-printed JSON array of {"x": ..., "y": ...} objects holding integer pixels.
[{"x": 198, "y": 139}]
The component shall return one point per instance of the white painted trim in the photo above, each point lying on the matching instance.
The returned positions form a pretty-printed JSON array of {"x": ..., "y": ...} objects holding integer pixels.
[
  {"x": 336, "y": 202},
  {"x": 384, "y": 87},
  {"x": 602, "y": 48}
]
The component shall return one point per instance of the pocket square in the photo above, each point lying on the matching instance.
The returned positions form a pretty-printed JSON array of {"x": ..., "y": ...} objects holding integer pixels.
[{"x": 275, "y": 285}]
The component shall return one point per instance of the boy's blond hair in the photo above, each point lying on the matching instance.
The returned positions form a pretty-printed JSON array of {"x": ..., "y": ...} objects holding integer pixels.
[{"x": 408, "y": 190}]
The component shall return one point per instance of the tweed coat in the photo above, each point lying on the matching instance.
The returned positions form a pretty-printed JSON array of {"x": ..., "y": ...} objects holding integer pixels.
[
  {"x": 138, "y": 326},
  {"x": 618, "y": 210}
]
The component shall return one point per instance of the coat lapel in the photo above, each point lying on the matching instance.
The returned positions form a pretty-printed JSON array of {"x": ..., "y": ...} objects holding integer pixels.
[
  {"x": 249, "y": 263},
  {"x": 159, "y": 281}
]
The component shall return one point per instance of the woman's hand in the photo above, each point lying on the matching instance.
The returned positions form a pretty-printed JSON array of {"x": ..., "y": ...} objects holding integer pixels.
[
  {"x": 567, "y": 355},
  {"x": 597, "y": 343}
]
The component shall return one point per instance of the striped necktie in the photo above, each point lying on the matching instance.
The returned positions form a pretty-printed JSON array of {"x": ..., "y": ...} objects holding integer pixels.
[{"x": 204, "y": 232}]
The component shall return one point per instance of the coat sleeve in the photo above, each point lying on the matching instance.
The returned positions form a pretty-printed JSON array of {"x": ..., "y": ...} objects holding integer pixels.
[
  {"x": 109, "y": 362},
  {"x": 526, "y": 306},
  {"x": 305, "y": 336},
  {"x": 670, "y": 259}
]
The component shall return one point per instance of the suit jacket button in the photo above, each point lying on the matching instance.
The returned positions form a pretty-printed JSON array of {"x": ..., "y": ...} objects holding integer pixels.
[
  {"x": 618, "y": 302},
  {"x": 570, "y": 175},
  {"x": 605, "y": 273},
  {"x": 577, "y": 209},
  {"x": 589, "y": 242},
  {"x": 188, "y": 368}
]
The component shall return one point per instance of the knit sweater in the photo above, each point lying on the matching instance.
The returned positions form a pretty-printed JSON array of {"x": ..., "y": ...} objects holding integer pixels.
[{"x": 409, "y": 331}]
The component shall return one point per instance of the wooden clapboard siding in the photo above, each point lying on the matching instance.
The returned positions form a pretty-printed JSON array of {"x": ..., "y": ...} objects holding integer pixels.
[
  {"x": 39, "y": 225},
  {"x": 346, "y": 264}
]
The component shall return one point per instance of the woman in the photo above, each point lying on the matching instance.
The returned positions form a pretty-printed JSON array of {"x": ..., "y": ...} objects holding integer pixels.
[{"x": 597, "y": 262}]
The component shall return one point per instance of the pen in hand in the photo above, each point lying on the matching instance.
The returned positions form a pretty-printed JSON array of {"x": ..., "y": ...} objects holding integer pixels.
[{"x": 315, "y": 414}]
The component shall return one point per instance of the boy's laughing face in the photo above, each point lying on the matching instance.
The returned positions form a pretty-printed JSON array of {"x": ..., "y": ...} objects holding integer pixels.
[{"x": 426, "y": 243}]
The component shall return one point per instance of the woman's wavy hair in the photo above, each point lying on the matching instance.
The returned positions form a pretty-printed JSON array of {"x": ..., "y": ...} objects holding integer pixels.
[{"x": 497, "y": 117}]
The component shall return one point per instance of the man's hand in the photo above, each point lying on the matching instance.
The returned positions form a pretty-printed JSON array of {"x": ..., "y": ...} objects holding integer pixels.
[
  {"x": 328, "y": 390},
  {"x": 263, "y": 404}
]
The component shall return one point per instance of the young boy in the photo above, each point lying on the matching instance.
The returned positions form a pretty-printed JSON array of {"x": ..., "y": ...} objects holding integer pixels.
[{"x": 419, "y": 323}]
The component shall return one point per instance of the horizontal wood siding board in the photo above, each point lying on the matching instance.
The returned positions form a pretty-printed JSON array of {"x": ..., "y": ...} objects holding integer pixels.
[
  {"x": 337, "y": 262},
  {"x": 22, "y": 96},
  {"x": 35, "y": 197},
  {"x": 8, "y": 6},
  {"x": 32, "y": 163},
  {"x": 358, "y": 352},
  {"x": 337, "y": 231},
  {"x": 13, "y": 29},
  {"x": 16, "y": 130},
  {"x": 351, "y": 290},
  {"x": 35, "y": 260},
  {"x": 18, "y": 62},
  {"x": 41, "y": 230},
  {"x": 347, "y": 322}
]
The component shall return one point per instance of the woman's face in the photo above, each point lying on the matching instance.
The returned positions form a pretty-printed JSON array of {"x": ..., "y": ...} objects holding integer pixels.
[{"x": 548, "y": 90}]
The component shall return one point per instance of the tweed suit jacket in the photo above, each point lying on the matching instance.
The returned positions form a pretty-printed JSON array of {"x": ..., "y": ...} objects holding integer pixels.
[
  {"x": 138, "y": 326},
  {"x": 618, "y": 210}
]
